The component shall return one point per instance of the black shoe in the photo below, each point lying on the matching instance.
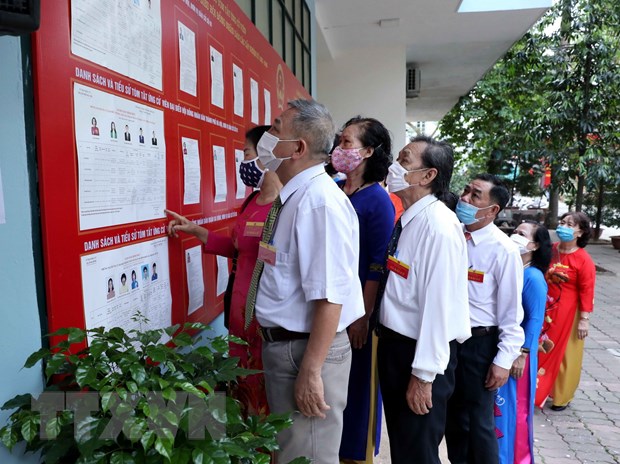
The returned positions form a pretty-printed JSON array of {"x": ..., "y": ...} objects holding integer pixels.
[{"x": 559, "y": 408}]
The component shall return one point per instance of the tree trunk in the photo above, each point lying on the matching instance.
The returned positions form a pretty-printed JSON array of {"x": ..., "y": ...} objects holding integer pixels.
[
  {"x": 552, "y": 215},
  {"x": 599, "y": 209},
  {"x": 581, "y": 183},
  {"x": 584, "y": 125}
]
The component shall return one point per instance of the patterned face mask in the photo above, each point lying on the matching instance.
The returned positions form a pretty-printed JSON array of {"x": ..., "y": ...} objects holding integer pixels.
[
  {"x": 251, "y": 174},
  {"x": 346, "y": 159}
]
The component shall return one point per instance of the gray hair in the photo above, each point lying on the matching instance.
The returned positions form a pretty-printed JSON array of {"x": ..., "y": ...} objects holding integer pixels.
[{"x": 314, "y": 125}]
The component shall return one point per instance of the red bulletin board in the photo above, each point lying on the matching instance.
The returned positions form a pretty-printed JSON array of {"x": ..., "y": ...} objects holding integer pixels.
[{"x": 216, "y": 23}]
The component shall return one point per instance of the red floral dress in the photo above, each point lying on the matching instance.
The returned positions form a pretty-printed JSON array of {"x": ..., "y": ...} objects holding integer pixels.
[{"x": 571, "y": 279}]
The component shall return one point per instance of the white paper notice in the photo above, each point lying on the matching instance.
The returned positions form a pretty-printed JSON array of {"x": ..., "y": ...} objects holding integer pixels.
[
  {"x": 222, "y": 274},
  {"x": 267, "y": 96},
  {"x": 119, "y": 283},
  {"x": 121, "y": 159},
  {"x": 238, "y": 89},
  {"x": 195, "y": 278},
  {"x": 219, "y": 168},
  {"x": 122, "y": 36},
  {"x": 187, "y": 60},
  {"x": 254, "y": 100},
  {"x": 241, "y": 188},
  {"x": 2, "y": 210},
  {"x": 191, "y": 168},
  {"x": 217, "y": 79}
]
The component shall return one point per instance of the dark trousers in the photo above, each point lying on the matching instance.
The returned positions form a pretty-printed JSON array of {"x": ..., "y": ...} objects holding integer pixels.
[
  {"x": 413, "y": 438},
  {"x": 470, "y": 430}
]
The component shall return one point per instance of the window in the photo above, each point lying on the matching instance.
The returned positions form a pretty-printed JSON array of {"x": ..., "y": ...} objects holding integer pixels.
[
  {"x": 246, "y": 6},
  {"x": 286, "y": 24}
]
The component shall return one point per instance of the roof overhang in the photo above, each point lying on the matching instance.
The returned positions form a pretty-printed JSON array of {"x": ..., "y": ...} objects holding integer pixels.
[{"x": 453, "y": 50}]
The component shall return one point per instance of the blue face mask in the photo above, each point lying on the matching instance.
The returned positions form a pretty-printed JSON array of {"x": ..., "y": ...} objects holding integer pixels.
[
  {"x": 467, "y": 213},
  {"x": 565, "y": 234},
  {"x": 251, "y": 174}
]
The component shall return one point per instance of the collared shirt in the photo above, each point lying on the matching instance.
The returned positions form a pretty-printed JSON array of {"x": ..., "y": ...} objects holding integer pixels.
[
  {"x": 317, "y": 252},
  {"x": 431, "y": 304},
  {"x": 496, "y": 301}
]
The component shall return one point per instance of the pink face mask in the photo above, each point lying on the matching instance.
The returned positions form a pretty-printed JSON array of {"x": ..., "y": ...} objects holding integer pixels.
[{"x": 346, "y": 159}]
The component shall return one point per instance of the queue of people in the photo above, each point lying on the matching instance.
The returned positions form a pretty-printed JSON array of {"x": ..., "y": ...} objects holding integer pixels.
[{"x": 434, "y": 313}]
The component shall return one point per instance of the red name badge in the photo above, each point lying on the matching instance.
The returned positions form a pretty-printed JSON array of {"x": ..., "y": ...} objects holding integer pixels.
[
  {"x": 398, "y": 267},
  {"x": 253, "y": 229},
  {"x": 475, "y": 276},
  {"x": 267, "y": 253}
]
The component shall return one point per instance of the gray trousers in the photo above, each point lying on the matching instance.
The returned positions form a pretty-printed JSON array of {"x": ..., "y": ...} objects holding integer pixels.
[{"x": 312, "y": 437}]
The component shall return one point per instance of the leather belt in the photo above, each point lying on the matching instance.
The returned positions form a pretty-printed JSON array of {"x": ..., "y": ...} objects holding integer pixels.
[
  {"x": 482, "y": 331},
  {"x": 279, "y": 334}
]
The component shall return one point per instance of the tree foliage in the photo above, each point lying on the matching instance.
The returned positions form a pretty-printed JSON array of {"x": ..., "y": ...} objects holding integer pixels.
[{"x": 553, "y": 99}]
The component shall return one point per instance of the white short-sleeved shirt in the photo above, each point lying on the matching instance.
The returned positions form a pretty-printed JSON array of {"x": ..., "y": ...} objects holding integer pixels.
[
  {"x": 317, "y": 252},
  {"x": 431, "y": 304},
  {"x": 496, "y": 301}
]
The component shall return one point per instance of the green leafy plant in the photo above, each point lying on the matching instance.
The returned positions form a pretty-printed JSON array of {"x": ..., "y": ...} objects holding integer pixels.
[{"x": 130, "y": 397}]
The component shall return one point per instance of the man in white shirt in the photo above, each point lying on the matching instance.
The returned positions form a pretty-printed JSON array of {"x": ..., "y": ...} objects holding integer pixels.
[
  {"x": 309, "y": 291},
  {"x": 424, "y": 310},
  {"x": 495, "y": 278}
]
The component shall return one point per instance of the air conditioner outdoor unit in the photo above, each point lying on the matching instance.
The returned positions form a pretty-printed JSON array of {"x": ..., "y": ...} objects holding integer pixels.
[
  {"x": 412, "y": 81},
  {"x": 19, "y": 16}
]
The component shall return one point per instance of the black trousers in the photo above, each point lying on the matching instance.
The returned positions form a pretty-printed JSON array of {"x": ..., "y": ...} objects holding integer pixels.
[
  {"x": 413, "y": 438},
  {"x": 470, "y": 430}
]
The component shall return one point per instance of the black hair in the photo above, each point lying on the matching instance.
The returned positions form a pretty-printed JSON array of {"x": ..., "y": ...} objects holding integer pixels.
[
  {"x": 123, "y": 276},
  {"x": 541, "y": 257},
  {"x": 439, "y": 155},
  {"x": 329, "y": 168},
  {"x": 499, "y": 192},
  {"x": 374, "y": 134},
  {"x": 255, "y": 133},
  {"x": 583, "y": 221},
  {"x": 450, "y": 199}
]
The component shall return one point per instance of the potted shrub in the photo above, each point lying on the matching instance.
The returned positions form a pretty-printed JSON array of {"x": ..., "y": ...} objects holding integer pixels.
[{"x": 129, "y": 397}]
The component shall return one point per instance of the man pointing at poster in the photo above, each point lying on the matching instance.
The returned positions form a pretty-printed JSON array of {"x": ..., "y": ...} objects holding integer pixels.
[{"x": 305, "y": 288}]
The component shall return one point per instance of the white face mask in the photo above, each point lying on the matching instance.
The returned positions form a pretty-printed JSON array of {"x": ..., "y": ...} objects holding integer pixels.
[
  {"x": 522, "y": 242},
  {"x": 265, "y": 147},
  {"x": 396, "y": 177}
]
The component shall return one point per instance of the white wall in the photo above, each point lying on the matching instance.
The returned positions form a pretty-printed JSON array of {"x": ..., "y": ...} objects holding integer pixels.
[
  {"x": 371, "y": 83},
  {"x": 20, "y": 330}
]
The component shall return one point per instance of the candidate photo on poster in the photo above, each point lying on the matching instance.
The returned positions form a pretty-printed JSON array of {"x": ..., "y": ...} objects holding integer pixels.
[
  {"x": 124, "y": 287},
  {"x": 154, "y": 272},
  {"x": 134, "y": 280},
  {"x": 145, "y": 273},
  {"x": 94, "y": 130},
  {"x": 111, "y": 293}
]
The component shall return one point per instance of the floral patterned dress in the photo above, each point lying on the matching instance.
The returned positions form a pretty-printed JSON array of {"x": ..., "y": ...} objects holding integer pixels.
[{"x": 571, "y": 278}]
